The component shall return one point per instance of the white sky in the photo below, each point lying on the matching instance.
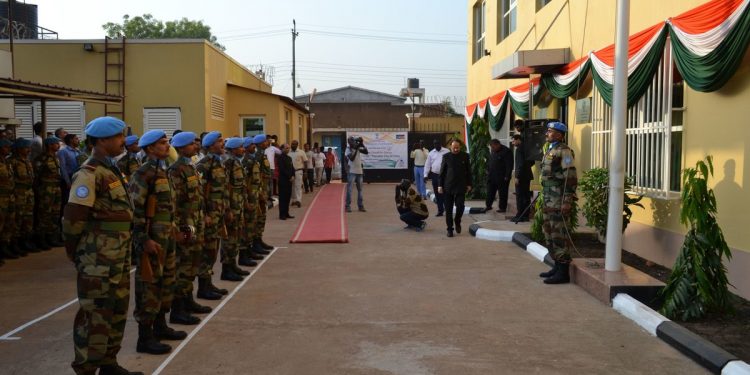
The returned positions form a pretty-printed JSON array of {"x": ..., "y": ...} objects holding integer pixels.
[{"x": 259, "y": 31}]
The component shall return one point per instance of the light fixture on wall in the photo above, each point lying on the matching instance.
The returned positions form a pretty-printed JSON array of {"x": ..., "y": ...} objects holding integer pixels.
[
  {"x": 88, "y": 47},
  {"x": 487, "y": 52}
]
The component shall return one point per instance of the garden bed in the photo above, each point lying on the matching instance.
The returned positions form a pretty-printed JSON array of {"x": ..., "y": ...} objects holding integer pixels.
[{"x": 731, "y": 331}]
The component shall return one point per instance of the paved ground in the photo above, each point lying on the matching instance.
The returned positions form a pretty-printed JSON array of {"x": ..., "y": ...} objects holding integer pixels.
[{"x": 390, "y": 302}]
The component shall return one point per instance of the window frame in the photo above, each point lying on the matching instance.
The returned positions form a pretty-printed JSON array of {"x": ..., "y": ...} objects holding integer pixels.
[
  {"x": 507, "y": 9},
  {"x": 480, "y": 29},
  {"x": 243, "y": 130}
]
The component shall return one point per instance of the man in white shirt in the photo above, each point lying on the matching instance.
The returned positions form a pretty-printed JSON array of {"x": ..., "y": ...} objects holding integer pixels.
[
  {"x": 355, "y": 173},
  {"x": 309, "y": 170},
  {"x": 432, "y": 171},
  {"x": 419, "y": 154},
  {"x": 37, "y": 146},
  {"x": 271, "y": 152},
  {"x": 298, "y": 161}
]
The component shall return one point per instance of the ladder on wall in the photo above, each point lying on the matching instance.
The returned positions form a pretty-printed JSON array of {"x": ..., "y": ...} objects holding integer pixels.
[{"x": 114, "y": 75}]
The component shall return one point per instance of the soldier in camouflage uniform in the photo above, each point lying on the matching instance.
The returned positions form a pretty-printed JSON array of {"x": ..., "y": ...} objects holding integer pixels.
[
  {"x": 129, "y": 163},
  {"x": 85, "y": 153},
  {"x": 96, "y": 225},
  {"x": 216, "y": 199},
  {"x": 153, "y": 246},
  {"x": 259, "y": 246},
  {"x": 252, "y": 207},
  {"x": 48, "y": 194},
  {"x": 559, "y": 182},
  {"x": 23, "y": 174},
  {"x": 189, "y": 222},
  {"x": 234, "y": 214},
  {"x": 7, "y": 202}
]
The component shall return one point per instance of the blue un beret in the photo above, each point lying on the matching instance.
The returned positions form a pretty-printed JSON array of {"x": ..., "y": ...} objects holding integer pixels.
[
  {"x": 51, "y": 140},
  {"x": 260, "y": 138},
  {"x": 151, "y": 137},
  {"x": 233, "y": 143},
  {"x": 210, "y": 139},
  {"x": 247, "y": 141},
  {"x": 559, "y": 126},
  {"x": 129, "y": 140},
  {"x": 21, "y": 143},
  {"x": 182, "y": 139},
  {"x": 5, "y": 142},
  {"x": 104, "y": 127}
]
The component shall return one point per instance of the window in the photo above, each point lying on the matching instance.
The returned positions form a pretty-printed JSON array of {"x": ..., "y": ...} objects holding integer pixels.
[
  {"x": 541, "y": 3},
  {"x": 252, "y": 126},
  {"x": 508, "y": 19},
  {"x": 480, "y": 11},
  {"x": 653, "y": 140},
  {"x": 288, "y": 124}
]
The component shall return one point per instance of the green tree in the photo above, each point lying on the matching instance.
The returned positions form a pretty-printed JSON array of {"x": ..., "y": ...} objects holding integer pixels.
[{"x": 147, "y": 27}]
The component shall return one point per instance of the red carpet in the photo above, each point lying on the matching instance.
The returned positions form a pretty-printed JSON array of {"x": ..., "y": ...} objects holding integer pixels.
[{"x": 324, "y": 221}]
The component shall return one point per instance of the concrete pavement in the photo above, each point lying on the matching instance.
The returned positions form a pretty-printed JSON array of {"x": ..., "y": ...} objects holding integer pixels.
[{"x": 392, "y": 301}]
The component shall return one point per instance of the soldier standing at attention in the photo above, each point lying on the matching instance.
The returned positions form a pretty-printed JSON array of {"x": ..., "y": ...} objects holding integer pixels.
[
  {"x": 264, "y": 194},
  {"x": 559, "y": 182},
  {"x": 216, "y": 198},
  {"x": 233, "y": 215},
  {"x": 96, "y": 225},
  {"x": 7, "y": 201},
  {"x": 153, "y": 245},
  {"x": 251, "y": 209},
  {"x": 48, "y": 194},
  {"x": 23, "y": 173},
  {"x": 129, "y": 163},
  {"x": 189, "y": 221}
]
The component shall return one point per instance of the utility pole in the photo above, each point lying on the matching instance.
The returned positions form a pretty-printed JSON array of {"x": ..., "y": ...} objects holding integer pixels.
[{"x": 294, "y": 59}]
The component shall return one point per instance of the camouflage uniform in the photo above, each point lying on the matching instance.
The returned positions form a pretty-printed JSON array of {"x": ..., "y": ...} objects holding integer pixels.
[
  {"x": 153, "y": 296},
  {"x": 236, "y": 193},
  {"x": 82, "y": 157},
  {"x": 559, "y": 182},
  {"x": 129, "y": 164},
  {"x": 97, "y": 226},
  {"x": 216, "y": 199},
  {"x": 252, "y": 187},
  {"x": 263, "y": 193},
  {"x": 23, "y": 174},
  {"x": 188, "y": 212},
  {"x": 48, "y": 194},
  {"x": 7, "y": 202}
]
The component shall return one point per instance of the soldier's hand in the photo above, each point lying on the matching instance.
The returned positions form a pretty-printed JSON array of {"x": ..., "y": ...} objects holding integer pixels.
[
  {"x": 468, "y": 189},
  {"x": 440, "y": 190},
  {"x": 230, "y": 217},
  {"x": 151, "y": 247},
  {"x": 565, "y": 209},
  {"x": 207, "y": 220}
]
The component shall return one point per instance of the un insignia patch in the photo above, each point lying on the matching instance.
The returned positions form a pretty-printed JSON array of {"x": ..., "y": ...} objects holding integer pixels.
[{"x": 82, "y": 192}]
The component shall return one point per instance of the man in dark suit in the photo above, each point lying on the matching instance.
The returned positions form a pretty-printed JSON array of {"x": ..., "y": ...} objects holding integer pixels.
[
  {"x": 523, "y": 175},
  {"x": 455, "y": 182},
  {"x": 499, "y": 170},
  {"x": 286, "y": 178}
]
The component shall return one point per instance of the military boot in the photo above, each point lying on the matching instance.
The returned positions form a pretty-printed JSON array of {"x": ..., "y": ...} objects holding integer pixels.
[
  {"x": 116, "y": 370},
  {"x": 550, "y": 272},
  {"x": 164, "y": 332},
  {"x": 6, "y": 251},
  {"x": 18, "y": 248},
  {"x": 239, "y": 270},
  {"x": 195, "y": 307},
  {"x": 216, "y": 289},
  {"x": 54, "y": 241},
  {"x": 245, "y": 258},
  {"x": 40, "y": 243},
  {"x": 258, "y": 248},
  {"x": 562, "y": 276},
  {"x": 147, "y": 343},
  {"x": 205, "y": 291},
  {"x": 180, "y": 314},
  {"x": 228, "y": 274},
  {"x": 265, "y": 245}
]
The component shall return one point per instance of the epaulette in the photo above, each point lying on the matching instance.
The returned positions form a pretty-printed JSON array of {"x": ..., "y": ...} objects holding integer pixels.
[{"x": 89, "y": 167}]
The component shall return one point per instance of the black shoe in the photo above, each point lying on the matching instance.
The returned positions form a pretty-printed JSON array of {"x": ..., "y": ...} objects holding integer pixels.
[
  {"x": 282, "y": 217},
  {"x": 216, "y": 289},
  {"x": 239, "y": 270},
  {"x": 439, "y": 214},
  {"x": 17, "y": 248},
  {"x": 180, "y": 314},
  {"x": 6, "y": 251},
  {"x": 289, "y": 217},
  {"x": 195, "y": 307},
  {"x": 54, "y": 241},
  {"x": 562, "y": 276},
  {"x": 255, "y": 256},
  {"x": 450, "y": 232},
  {"x": 26, "y": 244},
  {"x": 164, "y": 332},
  {"x": 501, "y": 210},
  {"x": 228, "y": 274},
  {"x": 550, "y": 272},
  {"x": 246, "y": 260},
  {"x": 264, "y": 245},
  {"x": 257, "y": 248},
  {"x": 41, "y": 244},
  {"x": 147, "y": 343},
  {"x": 116, "y": 370},
  {"x": 488, "y": 209},
  {"x": 458, "y": 227},
  {"x": 205, "y": 291}
]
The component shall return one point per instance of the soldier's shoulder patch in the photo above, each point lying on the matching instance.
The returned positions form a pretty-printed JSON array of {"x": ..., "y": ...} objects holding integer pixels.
[
  {"x": 192, "y": 178},
  {"x": 161, "y": 181},
  {"x": 114, "y": 185},
  {"x": 82, "y": 192}
]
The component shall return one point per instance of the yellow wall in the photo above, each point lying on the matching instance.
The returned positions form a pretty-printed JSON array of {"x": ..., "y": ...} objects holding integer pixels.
[
  {"x": 244, "y": 102},
  {"x": 714, "y": 123}
]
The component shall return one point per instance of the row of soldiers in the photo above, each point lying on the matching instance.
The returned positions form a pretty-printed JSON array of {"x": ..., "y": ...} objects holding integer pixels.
[
  {"x": 171, "y": 222},
  {"x": 30, "y": 198}
]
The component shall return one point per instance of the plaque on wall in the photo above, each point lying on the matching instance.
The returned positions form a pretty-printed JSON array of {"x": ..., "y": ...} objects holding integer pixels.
[{"x": 583, "y": 111}]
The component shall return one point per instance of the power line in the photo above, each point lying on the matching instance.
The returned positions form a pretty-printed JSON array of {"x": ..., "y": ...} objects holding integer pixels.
[
  {"x": 383, "y": 30},
  {"x": 344, "y": 73},
  {"x": 385, "y": 37},
  {"x": 403, "y": 71},
  {"x": 366, "y": 66}
]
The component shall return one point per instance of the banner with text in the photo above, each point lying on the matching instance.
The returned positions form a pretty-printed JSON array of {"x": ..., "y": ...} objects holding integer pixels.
[{"x": 387, "y": 150}]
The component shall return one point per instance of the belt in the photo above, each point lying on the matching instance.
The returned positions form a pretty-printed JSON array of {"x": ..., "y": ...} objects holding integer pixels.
[
  {"x": 550, "y": 183},
  {"x": 301, "y": 169},
  {"x": 162, "y": 217},
  {"x": 419, "y": 165},
  {"x": 110, "y": 226}
]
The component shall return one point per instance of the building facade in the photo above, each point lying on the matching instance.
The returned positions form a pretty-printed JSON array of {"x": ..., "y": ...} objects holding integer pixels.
[{"x": 556, "y": 57}]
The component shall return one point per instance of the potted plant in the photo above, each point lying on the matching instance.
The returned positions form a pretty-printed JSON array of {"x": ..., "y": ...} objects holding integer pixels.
[{"x": 594, "y": 185}]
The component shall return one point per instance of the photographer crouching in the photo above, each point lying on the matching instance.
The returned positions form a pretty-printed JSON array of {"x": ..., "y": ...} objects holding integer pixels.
[{"x": 411, "y": 206}]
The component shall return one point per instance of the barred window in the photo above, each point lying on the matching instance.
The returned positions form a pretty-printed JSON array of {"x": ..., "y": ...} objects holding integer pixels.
[
  {"x": 480, "y": 12},
  {"x": 653, "y": 133}
]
